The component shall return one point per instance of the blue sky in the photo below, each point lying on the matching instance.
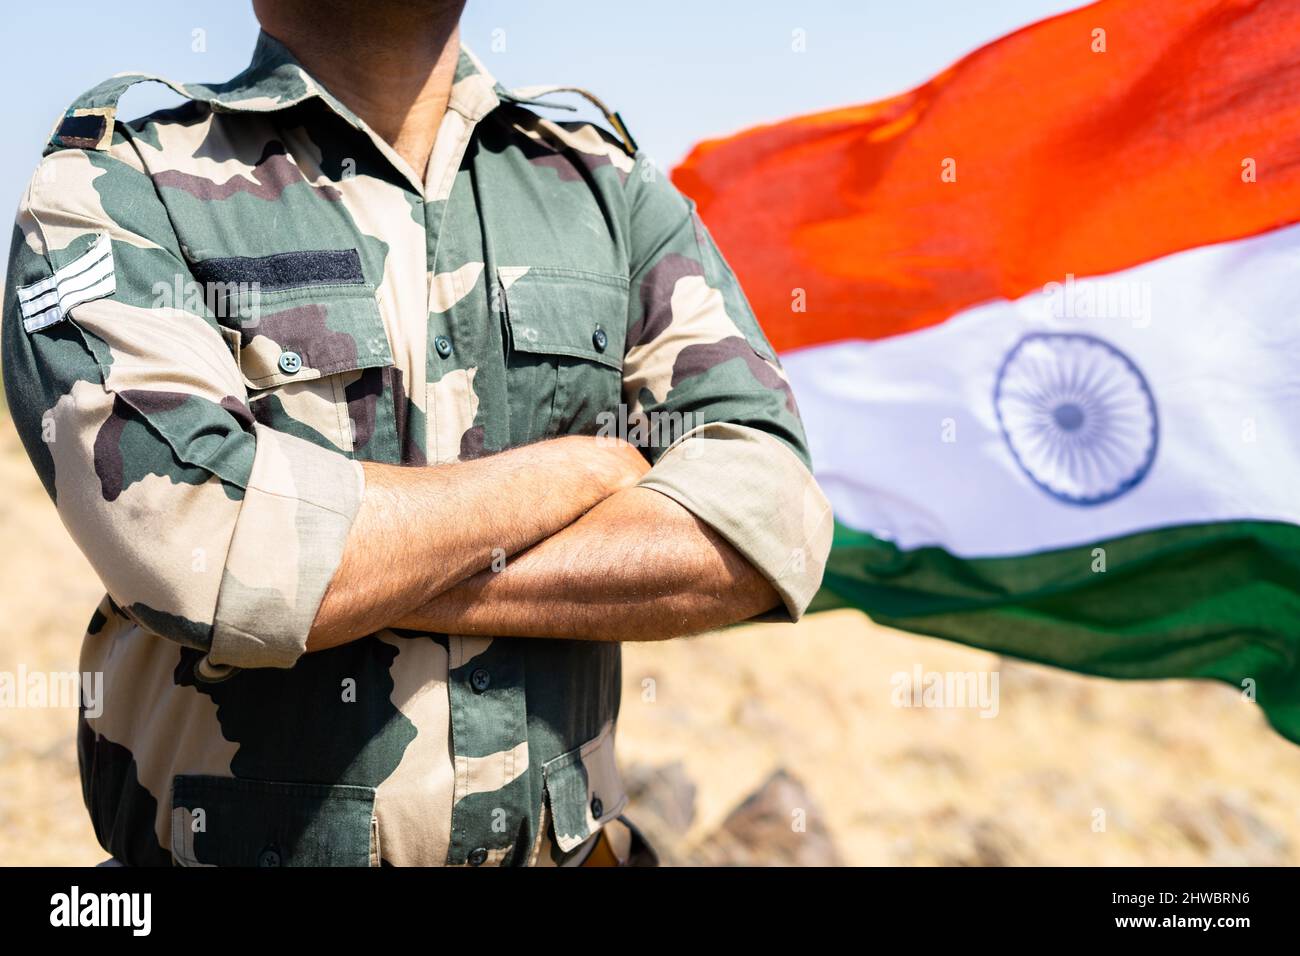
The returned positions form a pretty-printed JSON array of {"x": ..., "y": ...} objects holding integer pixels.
[{"x": 678, "y": 71}]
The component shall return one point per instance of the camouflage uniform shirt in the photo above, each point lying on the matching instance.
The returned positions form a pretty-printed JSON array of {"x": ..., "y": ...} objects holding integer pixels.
[{"x": 215, "y": 313}]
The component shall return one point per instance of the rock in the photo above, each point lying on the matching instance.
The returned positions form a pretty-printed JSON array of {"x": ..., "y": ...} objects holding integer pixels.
[
  {"x": 776, "y": 825},
  {"x": 661, "y": 802}
]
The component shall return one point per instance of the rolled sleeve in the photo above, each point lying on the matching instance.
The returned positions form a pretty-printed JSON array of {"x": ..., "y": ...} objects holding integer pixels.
[
  {"x": 206, "y": 527},
  {"x": 696, "y": 353},
  {"x": 298, "y": 507},
  {"x": 751, "y": 489}
]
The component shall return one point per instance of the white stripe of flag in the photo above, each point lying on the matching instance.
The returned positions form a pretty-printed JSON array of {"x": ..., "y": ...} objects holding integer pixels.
[{"x": 1217, "y": 341}]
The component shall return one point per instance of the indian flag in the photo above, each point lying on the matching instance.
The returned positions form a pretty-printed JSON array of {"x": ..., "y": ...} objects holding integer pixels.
[{"x": 1042, "y": 316}]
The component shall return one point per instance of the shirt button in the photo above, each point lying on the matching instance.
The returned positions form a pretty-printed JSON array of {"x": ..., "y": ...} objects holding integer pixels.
[
  {"x": 597, "y": 808},
  {"x": 599, "y": 339},
  {"x": 269, "y": 856},
  {"x": 290, "y": 362},
  {"x": 477, "y": 857},
  {"x": 480, "y": 680},
  {"x": 443, "y": 345}
]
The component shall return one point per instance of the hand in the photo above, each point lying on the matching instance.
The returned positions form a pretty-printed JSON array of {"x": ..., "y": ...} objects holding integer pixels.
[{"x": 614, "y": 463}]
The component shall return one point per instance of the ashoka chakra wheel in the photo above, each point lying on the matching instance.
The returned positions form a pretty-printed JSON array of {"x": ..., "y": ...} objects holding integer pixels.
[{"x": 1077, "y": 415}]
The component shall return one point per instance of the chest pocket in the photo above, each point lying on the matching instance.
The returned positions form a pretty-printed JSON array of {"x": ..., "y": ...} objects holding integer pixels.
[
  {"x": 566, "y": 334},
  {"x": 317, "y": 364}
]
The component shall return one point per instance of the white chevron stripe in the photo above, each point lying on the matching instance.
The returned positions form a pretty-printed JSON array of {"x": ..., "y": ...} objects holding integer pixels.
[{"x": 90, "y": 276}]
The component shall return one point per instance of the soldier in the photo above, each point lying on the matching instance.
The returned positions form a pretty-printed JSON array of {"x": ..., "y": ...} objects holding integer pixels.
[{"x": 318, "y": 369}]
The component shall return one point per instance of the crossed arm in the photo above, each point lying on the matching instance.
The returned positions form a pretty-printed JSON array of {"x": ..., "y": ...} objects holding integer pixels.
[{"x": 587, "y": 554}]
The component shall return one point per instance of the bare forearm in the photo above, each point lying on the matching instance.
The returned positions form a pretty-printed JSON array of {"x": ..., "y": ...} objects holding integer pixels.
[
  {"x": 420, "y": 530},
  {"x": 636, "y": 567}
]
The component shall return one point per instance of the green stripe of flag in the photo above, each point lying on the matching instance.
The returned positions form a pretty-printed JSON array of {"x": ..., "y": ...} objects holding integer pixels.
[{"x": 1217, "y": 600}]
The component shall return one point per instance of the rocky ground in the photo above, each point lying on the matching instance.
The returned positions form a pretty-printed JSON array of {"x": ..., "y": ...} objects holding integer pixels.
[
  {"x": 756, "y": 730},
  {"x": 782, "y": 744}
]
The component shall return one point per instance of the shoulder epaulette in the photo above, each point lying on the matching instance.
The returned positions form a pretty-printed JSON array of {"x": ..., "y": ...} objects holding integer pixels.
[
  {"x": 88, "y": 122},
  {"x": 533, "y": 95}
]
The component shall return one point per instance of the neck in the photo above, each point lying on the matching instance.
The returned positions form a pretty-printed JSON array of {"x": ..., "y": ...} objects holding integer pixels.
[{"x": 391, "y": 63}]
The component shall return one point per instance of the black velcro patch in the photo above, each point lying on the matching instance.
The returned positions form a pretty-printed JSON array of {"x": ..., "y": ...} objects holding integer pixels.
[
  {"x": 81, "y": 132},
  {"x": 285, "y": 270}
]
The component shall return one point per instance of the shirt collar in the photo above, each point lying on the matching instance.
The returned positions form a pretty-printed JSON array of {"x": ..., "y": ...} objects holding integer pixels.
[{"x": 275, "y": 80}]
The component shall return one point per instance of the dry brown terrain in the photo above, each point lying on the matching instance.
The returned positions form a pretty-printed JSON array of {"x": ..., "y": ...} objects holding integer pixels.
[{"x": 802, "y": 718}]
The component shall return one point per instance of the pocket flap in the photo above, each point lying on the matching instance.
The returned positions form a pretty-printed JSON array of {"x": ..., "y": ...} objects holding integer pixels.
[
  {"x": 226, "y": 821},
  {"x": 584, "y": 790},
  {"x": 302, "y": 334},
  {"x": 566, "y": 312}
]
